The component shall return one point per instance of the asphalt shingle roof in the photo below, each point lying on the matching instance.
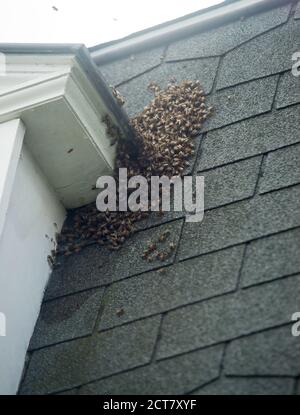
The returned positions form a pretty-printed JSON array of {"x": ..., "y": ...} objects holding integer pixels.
[{"x": 217, "y": 320}]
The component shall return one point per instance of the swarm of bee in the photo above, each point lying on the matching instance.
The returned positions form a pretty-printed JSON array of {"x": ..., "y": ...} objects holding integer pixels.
[
  {"x": 120, "y": 99},
  {"x": 112, "y": 129},
  {"x": 153, "y": 251},
  {"x": 165, "y": 130}
]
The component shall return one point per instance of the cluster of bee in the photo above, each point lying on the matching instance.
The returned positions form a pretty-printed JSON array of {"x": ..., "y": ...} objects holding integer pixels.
[
  {"x": 152, "y": 251},
  {"x": 120, "y": 99},
  {"x": 166, "y": 128},
  {"x": 91, "y": 226},
  {"x": 112, "y": 129},
  {"x": 164, "y": 133}
]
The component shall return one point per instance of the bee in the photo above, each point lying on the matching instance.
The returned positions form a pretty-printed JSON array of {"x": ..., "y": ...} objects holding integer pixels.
[
  {"x": 160, "y": 256},
  {"x": 50, "y": 260},
  {"x": 150, "y": 258},
  {"x": 120, "y": 312},
  {"x": 151, "y": 247},
  {"x": 172, "y": 246},
  {"x": 164, "y": 236}
]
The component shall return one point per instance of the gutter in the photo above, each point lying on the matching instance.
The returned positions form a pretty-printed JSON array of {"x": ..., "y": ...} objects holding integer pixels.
[{"x": 179, "y": 28}]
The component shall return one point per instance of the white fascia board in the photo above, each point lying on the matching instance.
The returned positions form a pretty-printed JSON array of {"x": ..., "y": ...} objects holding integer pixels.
[{"x": 30, "y": 94}]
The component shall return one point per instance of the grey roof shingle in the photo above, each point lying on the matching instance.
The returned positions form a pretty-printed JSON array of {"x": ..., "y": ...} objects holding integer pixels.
[
  {"x": 248, "y": 138},
  {"x": 230, "y": 316},
  {"x": 203, "y": 70},
  {"x": 271, "y": 353},
  {"x": 131, "y": 66},
  {"x": 217, "y": 318},
  {"x": 281, "y": 169},
  {"x": 97, "y": 266},
  {"x": 225, "y": 38},
  {"x": 174, "y": 376},
  {"x": 242, "y": 221},
  {"x": 180, "y": 284},
  {"x": 66, "y": 318},
  {"x": 272, "y": 257},
  {"x": 288, "y": 90},
  {"x": 242, "y": 101},
  {"x": 248, "y": 386},
  {"x": 230, "y": 183},
  {"x": 260, "y": 52},
  {"x": 73, "y": 363}
]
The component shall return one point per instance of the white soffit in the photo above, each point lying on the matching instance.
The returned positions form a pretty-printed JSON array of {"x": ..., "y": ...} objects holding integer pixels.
[{"x": 62, "y": 111}]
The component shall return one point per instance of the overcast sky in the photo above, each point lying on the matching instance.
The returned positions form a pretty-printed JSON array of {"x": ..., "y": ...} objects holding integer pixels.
[{"x": 86, "y": 21}]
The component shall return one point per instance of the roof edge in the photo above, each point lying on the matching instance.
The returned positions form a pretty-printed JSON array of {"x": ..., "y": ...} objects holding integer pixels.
[{"x": 179, "y": 28}]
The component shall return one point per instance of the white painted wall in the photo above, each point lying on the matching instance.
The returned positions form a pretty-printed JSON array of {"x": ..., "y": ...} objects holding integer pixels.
[
  {"x": 25, "y": 242},
  {"x": 11, "y": 141}
]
